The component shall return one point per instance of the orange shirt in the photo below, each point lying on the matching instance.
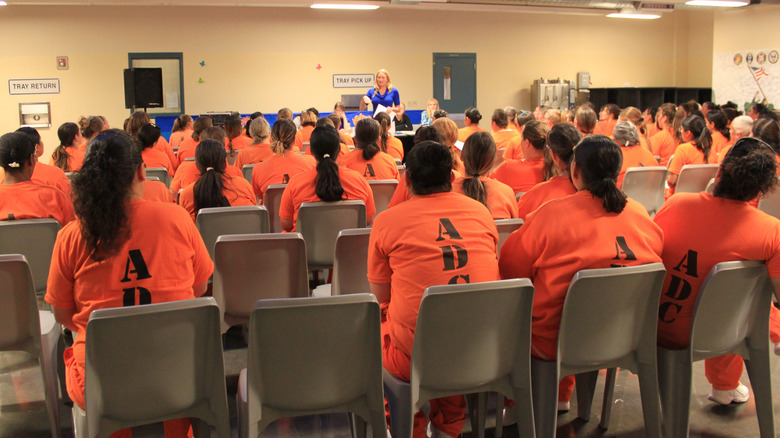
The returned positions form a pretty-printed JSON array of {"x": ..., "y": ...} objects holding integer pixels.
[
  {"x": 430, "y": 240},
  {"x": 179, "y": 136},
  {"x": 75, "y": 160},
  {"x": 278, "y": 170},
  {"x": 720, "y": 145},
  {"x": 162, "y": 261},
  {"x": 663, "y": 144},
  {"x": 253, "y": 154},
  {"x": 380, "y": 166},
  {"x": 635, "y": 156},
  {"x": 344, "y": 150},
  {"x": 512, "y": 150},
  {"x": 301, "y": 188},
  {"x": 503, "y": 136},
  {"x": 605, "y": 127},
  {"x": 499, "y": 197},
  {"x": 156, "y": 158},
  {"x": 188, "y": 173},
  {"x": 305, "y": 132},
  {"x": 554, "y": 188},
  {"x": 346, "y": 139},
  {"x": 395, "y": 148},
  {"x": 298, "y": 142},
  {"x": 652, "y": 129},
  {"x": 685, "y": 154},
  {"x": 401, "y": 193},
  {"x": 237, "y": 190},
  {"x": 520, "y": 175},
  {"x": 695, "y": 240},
  {"x": 31, "y": 200},
  {"x": 50, "y": 176},
  {"x": 163, "y": 146},
  {"x": 239, "y": 143},
  {"x": 464, "y": 133},
  {"x": 565, "y": 236},
  {"x": 187, "y": 149},
  {"x": 157, "y": 192}
]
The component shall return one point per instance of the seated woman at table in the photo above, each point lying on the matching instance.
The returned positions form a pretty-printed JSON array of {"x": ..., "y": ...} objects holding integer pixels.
[
  {"x": 402, "y": 120},
  {"x": 426, "y": 118}
]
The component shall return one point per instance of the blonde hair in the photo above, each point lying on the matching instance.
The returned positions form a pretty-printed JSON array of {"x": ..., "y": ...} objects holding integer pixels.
[
  {"x": 634, "y": 115},
  {"x": 553, "y": 116},
  {"x": 389, "y": 83},
  {"x": 259, "y": 130},
  {"x": 428, "y": 110},
  {"x": 308, "y": 117},
  {"x": 448, "y": 129}
]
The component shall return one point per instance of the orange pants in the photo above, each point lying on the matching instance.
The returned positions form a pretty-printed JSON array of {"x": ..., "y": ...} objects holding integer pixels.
[
  {"x": 74, "y": 380},
  {"x": 448, "y": 414}
]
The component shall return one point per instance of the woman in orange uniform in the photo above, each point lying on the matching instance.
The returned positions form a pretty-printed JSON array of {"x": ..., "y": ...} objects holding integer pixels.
[
  {"x": 585, "y": 120},
  {"x": 138, "y": 120},
  {"x": 691, "y": 222},
  {"x": 449, "y": 130},
  {"x": 122, "y": 251},
  {"x": 664, "y": 143},
  {"x": 523, "y": 174},
  {"x": 634, "y": 154},
  {"x": 633, "y": 115},
  {"x": 471, "y": 118},
  {"x": 90, "y": 127},
  {"x": 327, "y": 182},
  {"x": 561, "y": 141},
  {"x": 21, "y": 198},
  {"x": 581, "y": 231},
  {"x": 308, "y": 122},
  {"x": 260, "y": 148},
  {"x": 182, "y": 130},
  {"x": 67, "y": 155},
  {"x": 367, "y": 158},
  {"x": 607, "y": 119},
  {"x": 188, "y": 172},
  {"x": 502, "y": 133},
  {"x": 148, "y": 136},
  {"x": 389, "y": 144},
  {"x": 188, "y": 145},
  {"x": 236, "y": 140},
  {"x": 284, "y": 163},
  {"x": 695, "y": 150},
  {"x": 44, "y": 173},
  {"x": 424, "y": 133},
  {"x": 214, "y": 188},
  {"x": 479, "y": 153},
  {"x": 718, "y": 125}
]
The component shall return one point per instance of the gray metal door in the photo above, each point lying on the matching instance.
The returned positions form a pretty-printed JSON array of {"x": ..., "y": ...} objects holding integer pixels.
[{"x": 455, "y": 81}]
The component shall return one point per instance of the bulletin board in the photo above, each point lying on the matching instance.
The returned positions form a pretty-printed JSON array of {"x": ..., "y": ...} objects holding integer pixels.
[{"x": 747, "y": 77}]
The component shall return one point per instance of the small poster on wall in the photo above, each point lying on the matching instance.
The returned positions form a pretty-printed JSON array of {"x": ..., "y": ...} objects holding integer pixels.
[{"x": 747, "y": 77}]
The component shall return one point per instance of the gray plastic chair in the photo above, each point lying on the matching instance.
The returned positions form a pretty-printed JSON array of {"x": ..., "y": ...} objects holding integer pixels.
[
  {"x": 24, "y": 328},
  {"x": 519, "y": 195},
  {"x": 161, "y": 173},
  {"x": 272, "y": 200},
  {"x": 332, "y": 362},
  {"x": 383, "y": 190},
  {"x": 770, "y": 204},
  {"x": 320, "y": 222},
  {"x": 401, "y": 167},
  {"x": 731, "y": 316},
  {"x": 694, "y": 177},
  {"x": 251, "y": 267},
  {"x": 220, "y": 221},
  {"x": 247, "y": 171},
  {"x": 469, "y": 338},
  {"x": 588, "y": 342},
  {"x": 34, "y": 238},
  {"x": 152, "y": 178},
  {"x": 171, "y": 367},
  {"x": 505, "y": 228},
  {"x": 69, "y": 175},
  {"x": 350, "y": 263},
  {"x": 646, "y": 185}
]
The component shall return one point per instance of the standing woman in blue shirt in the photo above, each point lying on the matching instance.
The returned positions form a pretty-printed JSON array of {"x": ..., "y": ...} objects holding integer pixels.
[{"x": 383, "y": 93}]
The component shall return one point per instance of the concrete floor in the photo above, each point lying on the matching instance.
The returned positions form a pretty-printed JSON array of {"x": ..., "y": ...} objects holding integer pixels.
[{"x": 23, "y": 413}]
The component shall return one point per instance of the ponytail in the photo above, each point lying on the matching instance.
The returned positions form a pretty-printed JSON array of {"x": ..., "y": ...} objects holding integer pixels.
[
  {"x": 325, "y": 148},
  {"x": 613, "y": 200},
  {"x": 384, "y": 126},
  {"x": 561, "y": 141},
  {"x": 479, "y": 154},
  {"x": 720, "y": 121},
  {"x": 366, "y": 136},
  {"x": 702, "y": 137},
  {"x": 211, "y": 161},
  {"x": 599, "y": 159},
  {"x": 61, "y": 158},
  {"x": 181, "y": 122},
  {"x": 282, "y": 136},
  {"x": 67, "y": 133}
]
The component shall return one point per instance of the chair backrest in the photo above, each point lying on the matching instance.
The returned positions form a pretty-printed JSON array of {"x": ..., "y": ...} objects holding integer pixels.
[
  {"x": 401, "y": 167},
  {"x": 519, "y": 195},
  {"x": 251, "y": 267},
  {"x": 732, "y": 305},
  {"x": 247, "y": 171},
  {"x": 34, "y": 238},
  {"x": 19, "y": 326},
  {"x": 189, "y": 159},
  {"x": 161, "y": 173},
  {"x": 505, "y": 228},
  {"x": 170, "y": 367},
  {"x": 152, "y": 178},
  {"x": 220, "y": 221},
  {"x": 499, "y": 157},
  {"x": 628, "y": 295},
  {"x": 646, "y": 186},
  {"x": 350, "y": 263},
  {"x": 332, "y": 355},
  {"x": 694, "y": 177},
  {"x": 383, "y": 190},
  {"x": 770, "y": 203},
  {"x": 272, "y": 201},
  {"x": 69, "y": 175},
  {"x": 320, "y": 223},
  {"x": 450, "y": 354},
  {"x": 305, "y": 146}
]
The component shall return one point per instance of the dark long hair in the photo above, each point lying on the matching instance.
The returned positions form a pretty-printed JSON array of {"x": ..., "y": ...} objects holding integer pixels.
[
  {"x": 232, "y": 130},
  {"x": 101, "y": 190},
  {"x": 561, "y": 141},
  {"x": 67, "y": 134},
  {"x": 479, "y": 154},
  {"x": 384, "y": 127},
  {"x": 148, "y": 135},
  {"x": 181, "y": 122},
  {"x": 720, "y": 121},
  {"x": 702, "y": 138},
  {"x": 16, "y": 148},
  {"x": 599, "y": 160},
  {"x": 210, "y": 157},
  {"x": 325, "y": 148},
  {"x": 366, "y": 137}
]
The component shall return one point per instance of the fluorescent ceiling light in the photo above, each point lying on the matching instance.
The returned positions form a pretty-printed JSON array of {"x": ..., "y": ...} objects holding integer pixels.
[
  {"x": 634, "y": 15},
  {"x": 2, "y": 3},
  {"x": 343, "y": 6},
  {"x": 719, "y": 3}
]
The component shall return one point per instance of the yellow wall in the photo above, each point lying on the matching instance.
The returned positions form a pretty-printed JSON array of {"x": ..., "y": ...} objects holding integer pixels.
[
  {"x": 754, "y": 27},
  {"x": 265, "y": 58}
]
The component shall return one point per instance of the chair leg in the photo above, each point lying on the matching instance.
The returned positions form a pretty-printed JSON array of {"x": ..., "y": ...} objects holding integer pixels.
[
  {"x": 651, "y": 403},
  {"x": 399, "y": 400},
  {"x": 525, "y": 411},
  {"x": 499, "y": 414},
  {"x": 357, "y": 425},
  {"x": 759, "y": 371},
  {"x": 378, "y": 423},
  {"x": 544, "y": 390},
  {"x": 609, "y": 396},
  {"x": 674, "y": 376},
  {"x": 586, "y": 387},
  {"x": 477, "y": 406}
]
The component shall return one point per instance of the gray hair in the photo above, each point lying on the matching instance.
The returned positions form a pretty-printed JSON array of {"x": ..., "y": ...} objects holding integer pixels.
[
  {"x": 742, "y": 125},
  {"x": 259, "y": 129},
  {"x": 626, "y": 134}
]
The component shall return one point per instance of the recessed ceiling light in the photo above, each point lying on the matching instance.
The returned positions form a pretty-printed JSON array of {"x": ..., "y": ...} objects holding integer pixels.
[
  {"x": 718, "y": 3},
  {"x": 634, "y": 15},
  {"x": 2, "y": 3},
  {"x": 343, "y": 6}
]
